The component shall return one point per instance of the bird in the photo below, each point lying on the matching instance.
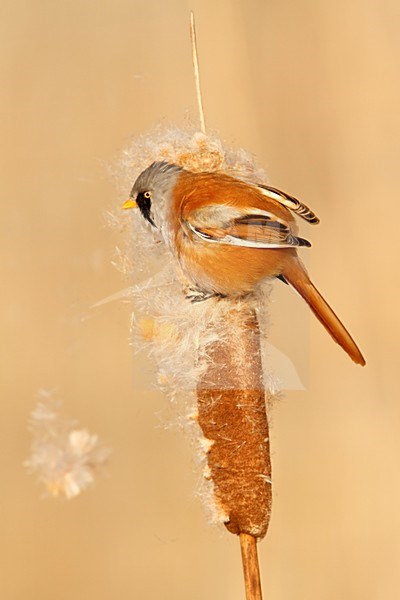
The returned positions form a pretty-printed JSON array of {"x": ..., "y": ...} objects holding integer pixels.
[{"x": 230, "y": 234}]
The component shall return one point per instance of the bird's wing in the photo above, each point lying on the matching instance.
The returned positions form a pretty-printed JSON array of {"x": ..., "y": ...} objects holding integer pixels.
[
  {"x": 290, "y": 202},
  {"x": 251, "y": 228}
]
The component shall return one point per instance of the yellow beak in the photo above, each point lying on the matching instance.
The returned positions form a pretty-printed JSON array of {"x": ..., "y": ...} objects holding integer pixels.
[{"x": 130, "y": 203}]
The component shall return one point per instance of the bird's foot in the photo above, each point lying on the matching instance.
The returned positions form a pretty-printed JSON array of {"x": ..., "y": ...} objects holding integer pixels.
[{"x": 195, "y": 294}]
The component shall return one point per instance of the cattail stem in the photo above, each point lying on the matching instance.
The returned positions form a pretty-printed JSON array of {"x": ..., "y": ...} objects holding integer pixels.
[
  {"x": 252, "y": 581},
  {"x": 233, "y": 418}
]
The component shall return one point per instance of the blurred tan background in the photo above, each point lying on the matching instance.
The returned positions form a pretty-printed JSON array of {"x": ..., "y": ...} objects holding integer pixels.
[{"x": 311, "y": 87}]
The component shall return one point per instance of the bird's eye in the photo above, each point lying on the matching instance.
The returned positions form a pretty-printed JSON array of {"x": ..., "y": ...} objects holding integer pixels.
[{"x": 147, "y": 195}]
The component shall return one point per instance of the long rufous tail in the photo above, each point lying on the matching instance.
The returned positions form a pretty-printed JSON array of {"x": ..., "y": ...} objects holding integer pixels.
[{"x": 296, "y": 275}]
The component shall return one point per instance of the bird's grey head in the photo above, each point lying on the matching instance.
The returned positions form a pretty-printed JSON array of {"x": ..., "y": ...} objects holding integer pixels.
[{"x": 152, "y": 189}]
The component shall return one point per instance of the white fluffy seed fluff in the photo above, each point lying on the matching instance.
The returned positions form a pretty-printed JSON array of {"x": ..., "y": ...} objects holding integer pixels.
[{"x": 64, "y": 458}]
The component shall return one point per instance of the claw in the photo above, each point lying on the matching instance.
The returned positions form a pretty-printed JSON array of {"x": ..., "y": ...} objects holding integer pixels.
[{"x": 197, "y": 295}]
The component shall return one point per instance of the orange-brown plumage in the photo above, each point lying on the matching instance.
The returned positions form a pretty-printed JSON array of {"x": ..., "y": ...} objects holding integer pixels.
[
  {"x": 216, "y": 265},
  {"x": 229, "y": 235}
]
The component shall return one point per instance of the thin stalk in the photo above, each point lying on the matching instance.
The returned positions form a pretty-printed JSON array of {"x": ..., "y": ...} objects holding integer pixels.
[
  {"x": 197, "y": 73},
  {"x": 252, "y": 581}
]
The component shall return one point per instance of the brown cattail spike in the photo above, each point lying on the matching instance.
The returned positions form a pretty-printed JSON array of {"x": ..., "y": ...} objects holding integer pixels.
[{"x": 232, "y": 415}]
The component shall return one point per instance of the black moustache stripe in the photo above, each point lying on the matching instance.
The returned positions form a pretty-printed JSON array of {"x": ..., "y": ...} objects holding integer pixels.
[{"x": 144, "y": 205}]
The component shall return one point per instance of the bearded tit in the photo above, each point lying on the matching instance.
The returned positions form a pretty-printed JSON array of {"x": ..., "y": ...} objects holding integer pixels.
[{"x": 229, "y": 235}]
